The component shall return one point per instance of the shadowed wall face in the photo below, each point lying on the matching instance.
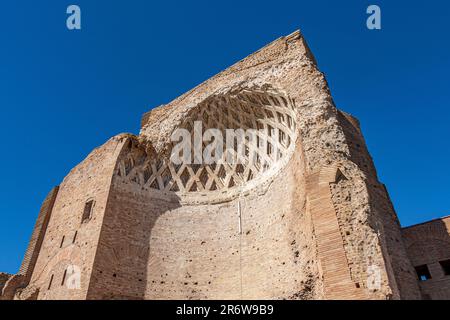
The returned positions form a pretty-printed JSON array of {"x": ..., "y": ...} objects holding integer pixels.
[
  {"x": 243, "y": 241},
  {"x": 256, "y": 246}
]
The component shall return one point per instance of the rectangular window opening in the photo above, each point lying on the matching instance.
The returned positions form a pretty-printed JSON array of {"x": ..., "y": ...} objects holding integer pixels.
[
  {"x": 423, "y": 273},
  {"x": 87, "y": 213}
]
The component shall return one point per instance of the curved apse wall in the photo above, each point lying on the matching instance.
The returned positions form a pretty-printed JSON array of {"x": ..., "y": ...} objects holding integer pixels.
[{"x": 217, "y": 231}]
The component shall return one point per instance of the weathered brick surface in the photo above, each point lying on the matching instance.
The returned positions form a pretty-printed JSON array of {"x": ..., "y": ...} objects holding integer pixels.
[
  {"x": 155, "y": 247},
  {"x": 428, "y": 244},
  {"x": 40, "y": 228},
  {"x": 315, "y": 223},
  {"x": 60, "y": 247},
  {"x": 3, "y": 278}
]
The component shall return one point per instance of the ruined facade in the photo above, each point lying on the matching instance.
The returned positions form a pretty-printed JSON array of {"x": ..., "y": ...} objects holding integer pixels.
[{"x": 302, "y": 217}]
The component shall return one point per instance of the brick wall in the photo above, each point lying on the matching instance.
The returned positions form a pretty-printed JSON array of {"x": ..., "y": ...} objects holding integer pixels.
[
  {"x": 154, "y": 246},
  {"x": 37, "y": 236},
  {"x": 302, "y": 234},
  {"x": 375, "y": 239},
  {"x": 428, "y": 244},
  {"x": 68, "y": 241}
]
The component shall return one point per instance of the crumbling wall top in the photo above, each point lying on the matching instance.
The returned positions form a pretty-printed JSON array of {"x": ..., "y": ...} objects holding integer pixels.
[{"x": 269, "y": 64}]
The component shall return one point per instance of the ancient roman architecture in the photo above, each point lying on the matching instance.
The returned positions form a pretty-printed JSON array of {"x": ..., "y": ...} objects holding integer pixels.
[{"x": 302, "y": 216}]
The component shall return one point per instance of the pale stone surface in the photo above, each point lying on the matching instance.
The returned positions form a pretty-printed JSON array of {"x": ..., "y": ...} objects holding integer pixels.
[
  {"x": 4, "y": 277},
  {"x": 312, "y": 222}
]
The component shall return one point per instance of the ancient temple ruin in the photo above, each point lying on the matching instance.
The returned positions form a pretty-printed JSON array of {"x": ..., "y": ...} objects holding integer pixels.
[{"x": 303, "y": 216}]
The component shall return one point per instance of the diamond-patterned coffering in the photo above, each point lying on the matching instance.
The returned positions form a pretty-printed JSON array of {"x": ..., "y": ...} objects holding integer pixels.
[{"x": 270, "y": 115}]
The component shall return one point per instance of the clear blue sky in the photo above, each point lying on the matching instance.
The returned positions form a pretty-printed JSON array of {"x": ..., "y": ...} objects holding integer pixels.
[{"x": 63, "y": 93}]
